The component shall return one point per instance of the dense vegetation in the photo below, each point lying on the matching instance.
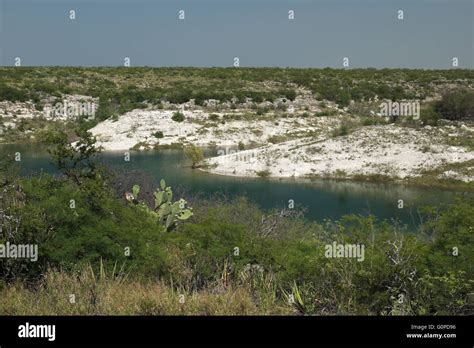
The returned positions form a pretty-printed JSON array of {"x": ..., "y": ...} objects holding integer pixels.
[
  {"x": 457, "y": 105},
  {"x": 122, "y": 89},
  {"x": 444, "y": 94},
  {"x": 230, "y": 257}
]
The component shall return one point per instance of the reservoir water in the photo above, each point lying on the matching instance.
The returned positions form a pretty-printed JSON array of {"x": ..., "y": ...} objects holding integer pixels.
[{"x": 323, "y": 199}]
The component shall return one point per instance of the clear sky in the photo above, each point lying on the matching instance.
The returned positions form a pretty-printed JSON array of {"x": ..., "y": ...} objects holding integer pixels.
[{"x": 257, "y": 31}]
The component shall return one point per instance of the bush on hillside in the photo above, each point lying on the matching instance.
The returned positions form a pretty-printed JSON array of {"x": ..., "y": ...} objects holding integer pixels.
[
  {"x": 457, "y": 105},
  {"x": 178, "y": 117}
]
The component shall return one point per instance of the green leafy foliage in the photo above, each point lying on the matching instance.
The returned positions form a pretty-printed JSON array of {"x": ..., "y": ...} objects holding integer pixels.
[
  {"x": 194, "y": 154},
  {"x": 429, "y": 116},
  {"x": 224, "y": 245},
  {"x": 158, "y": 134},
  {"x": 178, "y": 117},
  {"x": 121, "y": 90},
  {"x": 12, "y": 94},
  {"x": 457, "y": 105},
  {"x": 76, "y": 160},
  {"x": 214, "y": 117},
  {"x": 169, "y": 213}
]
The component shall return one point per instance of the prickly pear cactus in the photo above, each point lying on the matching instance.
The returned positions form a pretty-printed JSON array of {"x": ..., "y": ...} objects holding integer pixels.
[{"x": 168, "y": 213}]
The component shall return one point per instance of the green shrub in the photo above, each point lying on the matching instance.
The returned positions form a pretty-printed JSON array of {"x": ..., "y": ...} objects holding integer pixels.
[
  {"x": 262, "y": 111},
  {"x": 289, "y": 94},
  {"x": 75, "y": 224},
  {"x": 195, "y": 154},
  {"x": 178, "y": 116},
  {"x": 444, "y": 294},
  {"x": 213, "y": 117},
  {"x": 263, "y": 173},
  {"x": 457, "y": 105},
  {"x": 275, "y": 139},
  {"x": 429, "y": 116},
  {"x": 179, "y": 97},
  {"x": 344, "y": 98},
  {"x": 158, "y": 134},
  {"x": 13, "y": 94}
]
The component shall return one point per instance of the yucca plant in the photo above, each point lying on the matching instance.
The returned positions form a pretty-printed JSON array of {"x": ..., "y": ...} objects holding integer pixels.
[
  {"x": 117, "y": 275},
  {"x": 295, "y": 299}
]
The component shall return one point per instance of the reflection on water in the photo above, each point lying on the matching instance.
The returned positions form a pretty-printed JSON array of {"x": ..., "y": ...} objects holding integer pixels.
[{"x": 322, "y": 198}]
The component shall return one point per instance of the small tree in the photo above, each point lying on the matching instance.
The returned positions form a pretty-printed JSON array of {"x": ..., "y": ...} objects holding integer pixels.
[
  {"x": 76, "y": 160},
  {"x": 195, "y": 154}
]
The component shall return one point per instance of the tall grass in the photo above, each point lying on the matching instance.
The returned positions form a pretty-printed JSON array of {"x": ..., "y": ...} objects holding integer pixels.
[{"x": 102, "y": 292}]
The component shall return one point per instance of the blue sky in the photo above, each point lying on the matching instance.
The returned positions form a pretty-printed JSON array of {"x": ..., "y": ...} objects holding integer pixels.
[{"x": 258, "y": 32}]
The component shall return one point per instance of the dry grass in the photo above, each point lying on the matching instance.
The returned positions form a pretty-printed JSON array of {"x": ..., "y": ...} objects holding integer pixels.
[{"x": 115, "y": 294}]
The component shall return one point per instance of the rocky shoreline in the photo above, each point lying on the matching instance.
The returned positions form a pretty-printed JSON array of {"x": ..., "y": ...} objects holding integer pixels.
[{"x": 299, "y": 138}]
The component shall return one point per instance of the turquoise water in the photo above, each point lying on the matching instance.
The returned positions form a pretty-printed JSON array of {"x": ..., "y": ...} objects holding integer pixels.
[{"x": 323, "y": 199}]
